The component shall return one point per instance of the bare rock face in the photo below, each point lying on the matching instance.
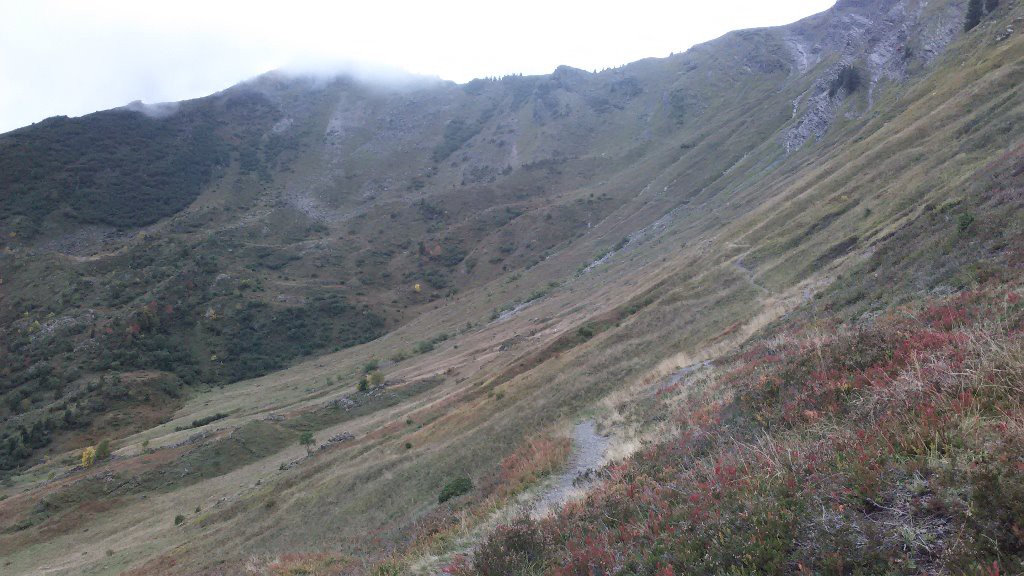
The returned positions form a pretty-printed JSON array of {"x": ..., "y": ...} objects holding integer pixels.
[
  {"x": 881, "y": 39},
  {"x": 818, "y": 113}
]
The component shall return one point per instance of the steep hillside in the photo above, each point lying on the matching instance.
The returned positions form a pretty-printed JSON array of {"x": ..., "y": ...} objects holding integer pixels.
[
  {"x": 290, "y": 216},
  {"x": 455, "y": 274}
]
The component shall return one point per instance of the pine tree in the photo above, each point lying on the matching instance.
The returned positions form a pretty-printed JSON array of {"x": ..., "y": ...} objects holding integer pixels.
[{"x": 974, "y": 14}]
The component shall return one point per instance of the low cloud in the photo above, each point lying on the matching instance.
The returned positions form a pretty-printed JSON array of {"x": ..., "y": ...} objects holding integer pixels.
[
  {"x": 66, "y": 57},
  {"x": 365, "y": 72},
  {"x": 159, "y": 110}
]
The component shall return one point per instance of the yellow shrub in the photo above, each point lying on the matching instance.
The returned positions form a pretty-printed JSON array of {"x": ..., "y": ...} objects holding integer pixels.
[{"x": 89, "y": 456}]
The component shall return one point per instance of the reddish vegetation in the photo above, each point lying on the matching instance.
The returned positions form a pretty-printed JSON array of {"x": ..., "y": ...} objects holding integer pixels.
[
  {"x": 308, "y": 563},
  {"x": 894, "y": 446},
  {"x": 538, "y": 457},
  {"x": 534, "y": 459}
]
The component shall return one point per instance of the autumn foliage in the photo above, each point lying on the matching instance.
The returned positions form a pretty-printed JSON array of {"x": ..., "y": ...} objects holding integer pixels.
[{"x": 891, "y": 445}]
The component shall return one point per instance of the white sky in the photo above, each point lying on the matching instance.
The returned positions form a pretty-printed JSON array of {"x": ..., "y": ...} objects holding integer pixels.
[{"x": 76, "y": 56}]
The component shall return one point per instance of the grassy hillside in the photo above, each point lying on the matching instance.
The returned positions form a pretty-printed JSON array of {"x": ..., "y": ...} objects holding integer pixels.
[
  {"x": 890, "y": 447},
  {"x": 541, "y": 250}
]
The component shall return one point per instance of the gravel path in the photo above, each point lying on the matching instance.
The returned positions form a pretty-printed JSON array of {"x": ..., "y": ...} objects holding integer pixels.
[{"x": 588, "y": 450}]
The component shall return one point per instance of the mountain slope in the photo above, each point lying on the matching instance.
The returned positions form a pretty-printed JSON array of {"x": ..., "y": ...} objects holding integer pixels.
[
  {"x": 306, "y": 195},
  {"x": 570, "y": 236}
]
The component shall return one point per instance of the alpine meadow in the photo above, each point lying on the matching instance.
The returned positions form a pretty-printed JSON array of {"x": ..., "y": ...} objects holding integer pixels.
[{"x": 753, "y": 308}]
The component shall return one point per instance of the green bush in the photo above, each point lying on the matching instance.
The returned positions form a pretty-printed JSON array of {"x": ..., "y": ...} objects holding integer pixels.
[
  {"x": 454, "y": 489},
  {"x": 306, "y": 439},
  {"x": 207, "y": 419},
  {"x": 964, "y": 222},
  {"x": 103, "y": 450}
]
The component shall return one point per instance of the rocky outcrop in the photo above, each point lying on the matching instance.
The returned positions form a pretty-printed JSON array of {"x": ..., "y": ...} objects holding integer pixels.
[{"x": 882, "y": 39}]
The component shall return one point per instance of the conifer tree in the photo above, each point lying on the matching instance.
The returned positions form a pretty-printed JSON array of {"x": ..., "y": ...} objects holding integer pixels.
[{"x": 974, "y": 14}]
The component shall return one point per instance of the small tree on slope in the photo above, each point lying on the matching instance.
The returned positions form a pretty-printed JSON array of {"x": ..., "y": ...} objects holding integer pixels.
[{"x": 974, "y": 14}]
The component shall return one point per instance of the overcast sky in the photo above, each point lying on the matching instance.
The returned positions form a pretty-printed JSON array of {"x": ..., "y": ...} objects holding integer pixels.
[{"x": 73, "y": 57}]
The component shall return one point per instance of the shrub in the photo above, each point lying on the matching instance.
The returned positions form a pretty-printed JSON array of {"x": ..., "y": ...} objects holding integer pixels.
[
  {"x": 375, "y": 378},
  {"x": 207, "y": 419},
  {"x": 88, "y": 456},
  {"x": 454, "y": 489},
  {"x": 425, "y": 346},
  {"x": 964, "y": 222},
  {"x": 535, "y": 459},
  {"x": 178, "y": 520},
  {"x": 103, "y": 450},
  {"x": 306, "y": 439},
  {"x": 370, "y": 366},
  {"x": 389, "y": 568},
  {"x": 516, "y": 548}
]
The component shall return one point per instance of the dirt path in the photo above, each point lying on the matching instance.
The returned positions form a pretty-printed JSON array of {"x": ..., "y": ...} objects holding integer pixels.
[
  {"x": 748, "y": 273},
  {"x": 588, "y": 453},
  {"x": 677, "y": 376},
  {"x": 588, "y": 450}
]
